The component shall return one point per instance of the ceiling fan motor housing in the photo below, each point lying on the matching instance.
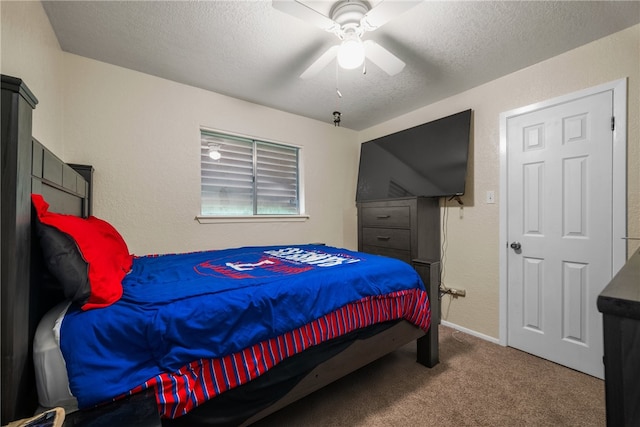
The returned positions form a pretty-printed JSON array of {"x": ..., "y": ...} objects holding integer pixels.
[{"x": 349, "y": 13}]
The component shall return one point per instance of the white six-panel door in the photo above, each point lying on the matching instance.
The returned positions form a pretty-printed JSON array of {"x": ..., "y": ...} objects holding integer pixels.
[{"x": 559, "y": 229}]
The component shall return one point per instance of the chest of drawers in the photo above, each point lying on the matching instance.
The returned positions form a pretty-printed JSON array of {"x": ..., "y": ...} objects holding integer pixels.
[
  {"x": 619, "y": 304},
  {"x": 406, "y": 228}
]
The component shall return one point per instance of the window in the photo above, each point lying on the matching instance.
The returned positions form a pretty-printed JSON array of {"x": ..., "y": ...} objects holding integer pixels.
[{"x": 246, "y": 177}]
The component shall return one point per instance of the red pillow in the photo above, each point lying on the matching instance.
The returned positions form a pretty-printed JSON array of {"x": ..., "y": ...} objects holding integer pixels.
[{"x": 101, "y": 246}]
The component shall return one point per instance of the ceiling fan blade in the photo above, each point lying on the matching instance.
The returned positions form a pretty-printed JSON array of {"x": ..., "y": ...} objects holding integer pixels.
[
  {"x": 388, "y": 62},
  {"x": 321, "y": 62},
  {"x": 305, "y": 13},
  {"x": 385, "y": 11}
]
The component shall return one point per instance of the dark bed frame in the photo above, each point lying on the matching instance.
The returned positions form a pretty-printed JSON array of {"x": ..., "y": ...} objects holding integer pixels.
[{"x": 29, "y": 167}]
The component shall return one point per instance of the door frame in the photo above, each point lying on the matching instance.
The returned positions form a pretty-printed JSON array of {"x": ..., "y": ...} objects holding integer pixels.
[{"x": 619, "y": 244}]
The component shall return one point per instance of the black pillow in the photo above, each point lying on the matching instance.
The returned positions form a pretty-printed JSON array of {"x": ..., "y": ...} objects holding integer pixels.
[{"x": 64, "y": 261}]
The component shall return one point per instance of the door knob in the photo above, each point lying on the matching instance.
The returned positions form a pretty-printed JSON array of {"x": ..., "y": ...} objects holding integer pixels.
[{"x": 516, "y": 246}]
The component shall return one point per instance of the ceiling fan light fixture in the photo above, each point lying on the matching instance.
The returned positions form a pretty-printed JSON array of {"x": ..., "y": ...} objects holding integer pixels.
[{"x": 351, "y": 54}]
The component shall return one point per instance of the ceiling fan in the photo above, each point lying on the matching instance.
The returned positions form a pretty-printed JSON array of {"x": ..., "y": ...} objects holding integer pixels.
[{"x": 349, "y": 20}]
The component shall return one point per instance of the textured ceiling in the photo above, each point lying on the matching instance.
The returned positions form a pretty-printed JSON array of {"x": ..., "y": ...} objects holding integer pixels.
[{"x": 251, "y": 51}]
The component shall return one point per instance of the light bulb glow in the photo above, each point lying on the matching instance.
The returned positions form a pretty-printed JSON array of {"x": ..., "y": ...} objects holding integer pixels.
[
  {"x": 351, "y": 54},
  {"x": 214, "y": 152}
]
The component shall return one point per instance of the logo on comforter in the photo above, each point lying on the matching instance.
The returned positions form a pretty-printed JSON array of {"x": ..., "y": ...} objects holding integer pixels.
[{"x": 271, "y": 263}]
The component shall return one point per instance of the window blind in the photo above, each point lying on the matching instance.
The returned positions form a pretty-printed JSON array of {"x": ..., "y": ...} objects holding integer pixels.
[{"x": 250, "y": 178}]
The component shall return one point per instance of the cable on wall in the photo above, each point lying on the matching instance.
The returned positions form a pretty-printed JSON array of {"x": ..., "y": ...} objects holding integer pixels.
[
  {"x": 443, "y": 249},
  {"x": 443, "y": 254}
]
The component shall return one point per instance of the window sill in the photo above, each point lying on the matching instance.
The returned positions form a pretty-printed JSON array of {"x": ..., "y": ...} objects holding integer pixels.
[{"x": 250, "y": 219}]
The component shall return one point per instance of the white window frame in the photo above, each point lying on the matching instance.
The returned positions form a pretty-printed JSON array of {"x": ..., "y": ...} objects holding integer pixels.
[{"x": 300, "y": 216}]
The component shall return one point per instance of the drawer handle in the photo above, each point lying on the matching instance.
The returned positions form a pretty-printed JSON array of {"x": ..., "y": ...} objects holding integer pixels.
[
  {"x": 383, "y": 216},
  {"x": 383, "y": 237}
]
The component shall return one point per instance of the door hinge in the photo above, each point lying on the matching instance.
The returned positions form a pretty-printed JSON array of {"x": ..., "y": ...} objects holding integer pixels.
[{"x": 613, "y": 123}]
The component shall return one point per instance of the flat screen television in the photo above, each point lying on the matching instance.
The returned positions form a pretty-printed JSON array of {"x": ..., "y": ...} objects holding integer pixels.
[{"x": 429, "y": 160}]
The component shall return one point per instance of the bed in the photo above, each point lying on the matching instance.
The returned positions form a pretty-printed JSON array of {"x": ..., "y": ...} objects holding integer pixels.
[{"x": 31, "y": 296}]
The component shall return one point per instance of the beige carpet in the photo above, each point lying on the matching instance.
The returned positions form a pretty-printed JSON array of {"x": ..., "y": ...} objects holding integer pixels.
[{"x": 477, "y": 383}]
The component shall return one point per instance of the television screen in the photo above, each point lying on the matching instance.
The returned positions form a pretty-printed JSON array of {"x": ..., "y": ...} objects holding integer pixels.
[{"x": 429, "y": 160}]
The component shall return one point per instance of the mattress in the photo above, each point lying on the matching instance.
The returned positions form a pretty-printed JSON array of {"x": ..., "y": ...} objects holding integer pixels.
[{"x": 52, "y": 382}]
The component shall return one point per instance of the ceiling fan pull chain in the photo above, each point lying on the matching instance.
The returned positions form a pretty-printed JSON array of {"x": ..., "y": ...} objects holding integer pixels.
[{"x": 337, "y": 84}]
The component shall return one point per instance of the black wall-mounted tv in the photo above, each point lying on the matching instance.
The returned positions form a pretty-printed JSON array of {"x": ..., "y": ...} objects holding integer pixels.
[{"x": 429, "y": 160}]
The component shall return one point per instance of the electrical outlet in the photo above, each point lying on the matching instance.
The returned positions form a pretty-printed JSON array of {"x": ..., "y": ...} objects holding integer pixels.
[
  {"x": 457, "y": 292},
  {"x": 491, "y": 197}
]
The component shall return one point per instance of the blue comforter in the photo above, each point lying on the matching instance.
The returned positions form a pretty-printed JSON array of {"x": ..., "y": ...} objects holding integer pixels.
[{"x": 179, "y": 308}]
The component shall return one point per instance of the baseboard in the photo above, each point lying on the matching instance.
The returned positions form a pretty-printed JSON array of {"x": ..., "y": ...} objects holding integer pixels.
[{"x": 470, "y": 332}]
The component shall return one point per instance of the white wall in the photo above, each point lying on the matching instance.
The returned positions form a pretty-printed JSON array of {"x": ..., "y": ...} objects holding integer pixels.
[
  {"x": 472, "y": 257},
  {"x": 142, "y": 135},
  {"x": 30, "y": 51}
]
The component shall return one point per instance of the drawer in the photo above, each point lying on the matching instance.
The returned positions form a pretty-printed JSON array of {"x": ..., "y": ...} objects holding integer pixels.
[
  {"x": 391, "y": 253},
  {"x": 393, "y": 238},
  {"x": 387, "y": 216}
]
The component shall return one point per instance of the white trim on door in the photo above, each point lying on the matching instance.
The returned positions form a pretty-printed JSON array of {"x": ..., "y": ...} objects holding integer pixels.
[{"x": 619, "y": 245}]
